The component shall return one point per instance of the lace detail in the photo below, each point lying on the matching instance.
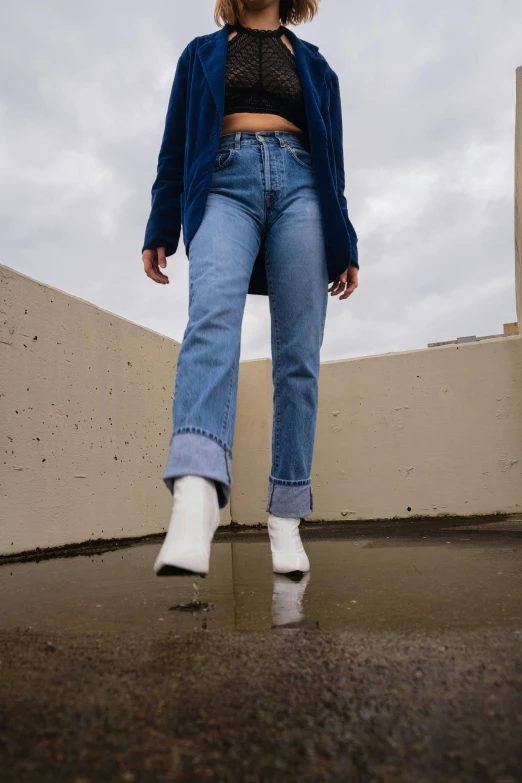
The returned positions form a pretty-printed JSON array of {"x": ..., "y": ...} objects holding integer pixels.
[
  {"x": 262, "y": 76},
  {"x": 255, "y": 31}
]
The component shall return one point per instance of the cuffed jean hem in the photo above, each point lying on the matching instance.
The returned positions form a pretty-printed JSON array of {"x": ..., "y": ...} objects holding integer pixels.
[
  {"x": 289, "y": 498},
  {"x": 198, "y": 453}
]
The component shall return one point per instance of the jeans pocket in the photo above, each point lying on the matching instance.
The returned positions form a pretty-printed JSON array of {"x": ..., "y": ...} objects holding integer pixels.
[
  {"x": 302, "y": 156},
  {"x": 223, "y": 159}
]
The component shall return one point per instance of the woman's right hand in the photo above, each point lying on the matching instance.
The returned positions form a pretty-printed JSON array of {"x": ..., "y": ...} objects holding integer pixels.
[{"x": 152, "y": 261}]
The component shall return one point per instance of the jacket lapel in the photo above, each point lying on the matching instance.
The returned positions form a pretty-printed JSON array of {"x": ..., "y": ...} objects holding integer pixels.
[
  {"x": 213, "y": 55},
  {"x": 310, "y": 64}
]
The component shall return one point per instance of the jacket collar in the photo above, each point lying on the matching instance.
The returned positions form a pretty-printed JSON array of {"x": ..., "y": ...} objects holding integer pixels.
[{"x": 311, "y": 65}]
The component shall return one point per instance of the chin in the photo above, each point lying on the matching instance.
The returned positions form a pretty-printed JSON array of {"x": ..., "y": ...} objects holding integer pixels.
[{"x": 256, "y": 4}]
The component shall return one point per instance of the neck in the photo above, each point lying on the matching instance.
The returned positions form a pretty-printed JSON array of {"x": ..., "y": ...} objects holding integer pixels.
[{"x": 264, "y": 19}]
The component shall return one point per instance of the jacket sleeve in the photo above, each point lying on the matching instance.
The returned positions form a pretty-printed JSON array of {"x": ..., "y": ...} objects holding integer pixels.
[
  {"x": 336, "y": 120},
  {"x": 164, "y": 223}
]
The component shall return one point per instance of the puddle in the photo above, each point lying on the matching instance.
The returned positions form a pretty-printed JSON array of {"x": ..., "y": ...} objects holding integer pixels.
[{"x": 389, "y": 580}]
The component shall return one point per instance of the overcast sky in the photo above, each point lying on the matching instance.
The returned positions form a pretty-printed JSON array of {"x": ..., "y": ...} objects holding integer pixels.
[{"x": 428, "y": 92}]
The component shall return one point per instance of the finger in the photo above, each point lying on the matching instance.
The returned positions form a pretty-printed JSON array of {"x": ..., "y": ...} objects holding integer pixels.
[
  {"x": 335, "y": 284},
  {"x": 150, "y": 264},
  {"x": 339, "y": 287},
  {"x": 159, "y": 278},
  {"x": 156, "y": 275},
  {"x": 350, "y": 289},
  {"x": 162, "y": 260},
  {"x": 159, "y": 274}
]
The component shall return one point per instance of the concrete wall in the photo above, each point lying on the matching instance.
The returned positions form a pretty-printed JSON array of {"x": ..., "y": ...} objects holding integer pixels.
[
  {"x": 85, "y": 406},
  {"x": 428, "y": 432},
  {"x": 416, "y": 433},
  {"x": 85, "y": 420}
]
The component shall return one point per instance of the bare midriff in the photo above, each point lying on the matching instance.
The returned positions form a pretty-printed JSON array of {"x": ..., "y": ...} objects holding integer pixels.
[{"x": 245, "y": 121}]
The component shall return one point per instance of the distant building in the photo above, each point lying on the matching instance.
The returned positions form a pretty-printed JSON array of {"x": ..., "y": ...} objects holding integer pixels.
[{"x": 509, "y": 329}]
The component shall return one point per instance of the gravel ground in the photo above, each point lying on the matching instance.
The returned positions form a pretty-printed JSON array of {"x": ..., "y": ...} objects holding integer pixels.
[{"x": 285, "y": 705}]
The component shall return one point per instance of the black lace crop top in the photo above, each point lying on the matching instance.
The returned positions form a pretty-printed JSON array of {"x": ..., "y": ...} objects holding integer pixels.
[{"x": 262, "y": 76}]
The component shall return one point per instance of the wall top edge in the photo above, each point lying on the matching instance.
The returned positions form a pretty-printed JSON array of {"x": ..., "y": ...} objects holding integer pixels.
[
  {"x": 8, "y": 271},
  {"x": 509, "y": 338},
  {"x": 449, "y": 347}
]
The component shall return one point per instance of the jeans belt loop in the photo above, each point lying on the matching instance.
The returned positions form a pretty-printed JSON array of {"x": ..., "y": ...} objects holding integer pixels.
[{"x": 238, "y": 140}]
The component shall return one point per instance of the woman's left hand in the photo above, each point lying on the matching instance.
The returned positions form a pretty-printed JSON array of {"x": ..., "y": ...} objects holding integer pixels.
[{"x": 349, "y": 278}]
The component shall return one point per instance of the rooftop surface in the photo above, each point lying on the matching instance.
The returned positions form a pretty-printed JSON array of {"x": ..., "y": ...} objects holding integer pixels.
[{"x": 399, "y": 658}]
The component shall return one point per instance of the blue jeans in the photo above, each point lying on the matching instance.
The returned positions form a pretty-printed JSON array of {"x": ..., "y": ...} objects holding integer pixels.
[{"x": 263, "y": 189}]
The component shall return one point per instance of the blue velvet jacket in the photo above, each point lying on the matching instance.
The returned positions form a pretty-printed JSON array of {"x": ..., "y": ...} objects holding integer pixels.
[{"x": 191, "y": 138}]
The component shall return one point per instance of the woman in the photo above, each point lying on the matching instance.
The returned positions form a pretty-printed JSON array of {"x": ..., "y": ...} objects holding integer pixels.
[{"x": 251, "y": 164}]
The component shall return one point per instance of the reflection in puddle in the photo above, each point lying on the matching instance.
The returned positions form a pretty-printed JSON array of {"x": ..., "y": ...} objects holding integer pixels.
[
  {"x": 389, "y": 580},
  {"x": 287, "y": 601}
]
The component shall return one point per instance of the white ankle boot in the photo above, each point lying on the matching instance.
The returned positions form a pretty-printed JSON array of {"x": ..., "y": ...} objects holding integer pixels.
[
  {"x": 194, "y": 520},
  {"x": 288, "y": 553}
]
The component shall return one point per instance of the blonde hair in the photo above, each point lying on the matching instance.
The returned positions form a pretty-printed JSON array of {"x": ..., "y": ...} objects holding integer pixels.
[{"x": 290, "y": 11}]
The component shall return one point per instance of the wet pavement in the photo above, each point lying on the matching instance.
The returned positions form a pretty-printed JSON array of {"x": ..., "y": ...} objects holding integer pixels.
[{"x": 398, "y": 658}]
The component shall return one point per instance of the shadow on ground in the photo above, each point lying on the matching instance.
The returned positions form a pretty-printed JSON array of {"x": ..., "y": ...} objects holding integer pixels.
[{"x": 397, "y": 659}]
